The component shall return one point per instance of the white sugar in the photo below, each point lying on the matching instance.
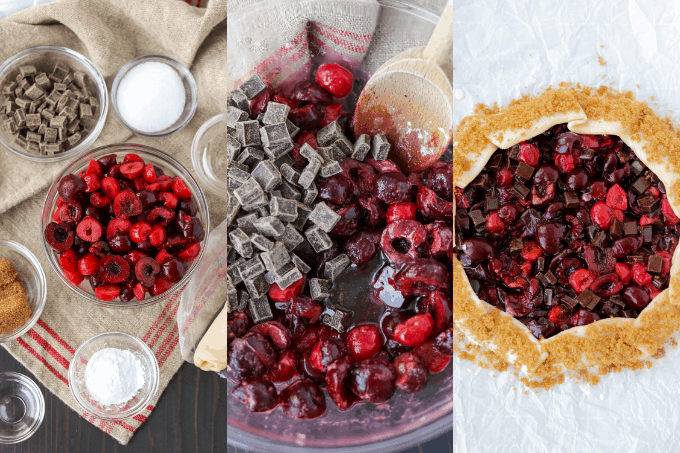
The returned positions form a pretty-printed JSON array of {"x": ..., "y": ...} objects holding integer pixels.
[
  {"x": 113, "y": 376},
  {"x": 151, "y": 96}
]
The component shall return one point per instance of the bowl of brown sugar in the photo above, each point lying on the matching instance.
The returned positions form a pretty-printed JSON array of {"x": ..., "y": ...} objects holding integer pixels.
[{"x": 23, "y": 290}]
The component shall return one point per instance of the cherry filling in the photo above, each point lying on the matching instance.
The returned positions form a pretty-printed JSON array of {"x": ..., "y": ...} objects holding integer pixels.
[
  {"x": 565, "y": 229},
  {"x": 385, "y": 323}
]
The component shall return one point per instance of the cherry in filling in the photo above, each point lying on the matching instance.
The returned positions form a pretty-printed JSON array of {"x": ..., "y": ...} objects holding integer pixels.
[{"x": 565, "y": 229}]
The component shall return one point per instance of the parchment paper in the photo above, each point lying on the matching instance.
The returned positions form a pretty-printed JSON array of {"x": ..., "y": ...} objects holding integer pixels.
[{"x": 503, "y": 49}]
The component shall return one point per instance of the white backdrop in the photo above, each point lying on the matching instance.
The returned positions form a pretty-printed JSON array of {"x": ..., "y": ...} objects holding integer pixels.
[{"x": 505, "y": 48}]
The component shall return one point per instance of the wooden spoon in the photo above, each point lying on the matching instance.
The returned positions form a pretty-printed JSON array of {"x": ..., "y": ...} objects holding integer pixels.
[{"x": 410, "y": 99}]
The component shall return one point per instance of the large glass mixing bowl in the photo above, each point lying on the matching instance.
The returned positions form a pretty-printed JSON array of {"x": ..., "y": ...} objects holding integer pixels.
[{"x": 405, "y": 420}]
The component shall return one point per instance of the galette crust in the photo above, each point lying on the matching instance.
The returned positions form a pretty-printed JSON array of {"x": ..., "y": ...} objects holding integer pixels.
[{"x": 608, "y": 343}]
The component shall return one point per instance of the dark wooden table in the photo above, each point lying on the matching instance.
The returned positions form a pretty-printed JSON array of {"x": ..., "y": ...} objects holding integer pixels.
[{"x": 190, "y": 417}]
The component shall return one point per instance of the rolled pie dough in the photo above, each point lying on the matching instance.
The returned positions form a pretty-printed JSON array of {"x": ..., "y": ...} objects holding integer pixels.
[{"x": 211, "y": 353}]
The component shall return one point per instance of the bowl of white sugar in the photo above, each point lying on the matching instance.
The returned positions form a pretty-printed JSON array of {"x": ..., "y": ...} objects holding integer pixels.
[
  {"x": 154, "y": 96},
  {"x": 113, "y": 375}
]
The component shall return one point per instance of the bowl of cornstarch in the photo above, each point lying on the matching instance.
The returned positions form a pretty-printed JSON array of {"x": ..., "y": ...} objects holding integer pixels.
[
  {"x": 154, "y": 96},
  {"x": 113, "y": 375}
]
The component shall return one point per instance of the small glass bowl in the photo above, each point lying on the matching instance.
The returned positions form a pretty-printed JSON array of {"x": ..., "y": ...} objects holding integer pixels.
[
  {"x": 208, "y": 154},
  {"x": 22, "y": 407},
  {"x": 33, "y": 279},
  {"x": 150, "y": 155},
  {"x": 119, "y": 340},
  {"x": 190, "y": 90},
  {"x": 44, "y": 57}
]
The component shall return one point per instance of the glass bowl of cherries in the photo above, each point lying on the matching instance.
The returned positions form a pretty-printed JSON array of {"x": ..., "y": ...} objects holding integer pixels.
[
  {"x": 125, "y": 225},
  {"x": 350, "y": 346}
]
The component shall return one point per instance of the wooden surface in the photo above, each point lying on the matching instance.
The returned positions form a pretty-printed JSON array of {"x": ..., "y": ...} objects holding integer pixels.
[{"x": 190, "y": 417}]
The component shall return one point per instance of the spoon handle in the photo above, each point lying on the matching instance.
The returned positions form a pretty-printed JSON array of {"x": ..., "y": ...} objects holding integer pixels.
[{"x": 440, "y": 46}]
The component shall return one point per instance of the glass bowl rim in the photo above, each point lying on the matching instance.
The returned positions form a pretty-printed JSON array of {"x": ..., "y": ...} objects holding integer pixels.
[
  {"x": 192, "y": 94},
  {"x": 29, "y": 383},
  {"x": 99, "y": 82},
  {"x": 138, "y": 149},
  {"x": 196, "y": 161},
  {"x": 42, "y": 295},
  {"x": 154, "y": 374}
]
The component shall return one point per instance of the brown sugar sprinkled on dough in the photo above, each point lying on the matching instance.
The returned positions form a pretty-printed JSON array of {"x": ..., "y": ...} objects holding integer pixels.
[
  {"x": 604, "y": 347},
  {"x": 601, "y": 61},
  {"x": 14, "y": 306}
]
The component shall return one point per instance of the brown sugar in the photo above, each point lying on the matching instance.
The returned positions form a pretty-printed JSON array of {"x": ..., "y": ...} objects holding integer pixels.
[
  {"x": 7, "y": 272},
  {"x": 601, "y": 348},
  {"x": 14, "y": 306}
]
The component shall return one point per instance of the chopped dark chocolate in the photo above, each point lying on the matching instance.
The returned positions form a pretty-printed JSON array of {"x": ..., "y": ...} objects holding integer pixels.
[
  {"x": 648, "y": 203},
  {"x": 568, "y": 302},
  {"x": 516, "y": 246},
  {"x": 646, "y": 232},
  {"x": 641, "y": 184},
  {"x": 655, "y": 264},
  {"x": 616, "y": 229},
  {"x": 491, "y": 204},
  {"x": 588, "y": 299},
  {"x": 571, "y": 200},
  {"x": 524, "y": 170},
  {"x": 637, "y": 167},
  {"x": 630, "y": 228},
  {"x": 477, "y": 217},
  {"x": 551, "y": 277},
  {"x": 520, "y": 190}
]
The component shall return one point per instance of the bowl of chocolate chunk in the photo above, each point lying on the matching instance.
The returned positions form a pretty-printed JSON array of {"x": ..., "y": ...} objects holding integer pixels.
[
  {"x": 23, "y": 290},
  {"x": 53, "y": 103}
]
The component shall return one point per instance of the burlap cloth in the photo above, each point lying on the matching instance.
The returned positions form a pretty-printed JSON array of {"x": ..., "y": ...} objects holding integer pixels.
[{"x": 109, "y": 33}]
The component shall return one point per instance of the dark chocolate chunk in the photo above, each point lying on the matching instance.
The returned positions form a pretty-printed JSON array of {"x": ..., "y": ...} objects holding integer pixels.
[
  {"x": 495, "y": 162},
  {"x": 571, "y": 200},
  {"x": 616, "y": 300},
  {"x": 492, "y": 204},
  {"x": 635, "y": 258},
  {"x": 659, "y": 281},
  {"x": 648, "y": 203},
  {"x": 601, "y": 240},
  {"x": 514, "y": 153},
  {"x": 637, "y": 167},
  {"x": 548, "y": 296},
  {"x": 592, "y": 231},
  {"x": 541, "y": 278},
  {"x": 524, "y": 170},
  {"x": 641, "y": 184},
  {"x": 380, "y": 148},
  {"x": 646, "y": 232},
  {"x": 516, "y": 246},
  {"x": 260, "y": 310},
  {"x": 483, "y": 181},
  {"x": 540, "y": 264},
  {"x": 630, "y": 228},
  {"x": 568, "y": 302},
  {"x": 588, "y": 299},
  {"x": 477, "y": 217},
  {"x": 551, "y": 277},
  {"x": 339, "y": 321},
  {"x": 629, "y": 314},
  {"x": 520, "y": 190},
  {"x": 251, "y": 88},
  {"x": 616, "y": 229},
  {"x": 655, "y": 264}
]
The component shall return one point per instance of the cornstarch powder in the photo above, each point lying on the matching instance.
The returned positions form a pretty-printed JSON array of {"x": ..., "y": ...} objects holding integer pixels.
[
  {"x": 113, "y": 376},
  {"x": 151, "y": 96}
]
